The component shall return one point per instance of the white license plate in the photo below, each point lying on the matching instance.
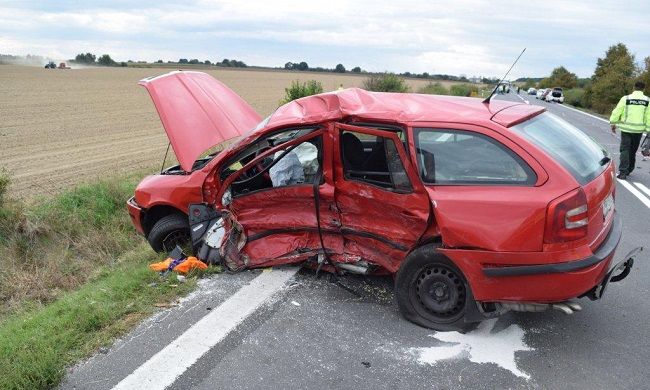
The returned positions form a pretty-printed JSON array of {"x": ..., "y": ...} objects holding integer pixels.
[{"x": 608, "y": 206}]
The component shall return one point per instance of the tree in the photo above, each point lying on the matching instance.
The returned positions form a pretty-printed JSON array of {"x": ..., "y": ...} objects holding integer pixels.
[
  {"x": 645, "y": 76},
  {"x": 528, "y": 84},
  {"x": 357, "y": 69},
  {"x": 386, "y": 82},
  {"x": 289, "y": 66},
  {"x": 159, "y": 62},
  {"x": 612, "y": 79},
  {"x": 105, "y": 60},
  {"x": 87, "y": 58},
  {"x": 183, "y": 61},
  {"x": 194, "y": 61},
  {"x": 302, "y": 66},
  {"x": 298, "y": 90},
  {"x": 207, "y": 62},
  {"x": 560, "y": 77},
  {"x": 339, "y": 68}
]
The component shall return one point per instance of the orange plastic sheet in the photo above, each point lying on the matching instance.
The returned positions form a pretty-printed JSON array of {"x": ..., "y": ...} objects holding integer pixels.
[{"x": 186, "y": 266}]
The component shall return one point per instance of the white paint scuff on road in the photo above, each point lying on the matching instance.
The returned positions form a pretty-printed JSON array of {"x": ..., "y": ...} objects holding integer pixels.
[
  {"x": 636, "y": 192},
  {"x": 481, "y": 346},
  {"x": 168, "y": 364}
]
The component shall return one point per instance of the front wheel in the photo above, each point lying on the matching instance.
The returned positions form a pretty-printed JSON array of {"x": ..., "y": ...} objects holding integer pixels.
[
  {"x": 432, "y": 292},
  {"x": 169, "y": 231}
]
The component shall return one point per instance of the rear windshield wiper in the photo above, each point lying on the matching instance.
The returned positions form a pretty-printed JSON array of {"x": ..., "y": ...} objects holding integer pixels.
[{"x": 604, "y": 161}]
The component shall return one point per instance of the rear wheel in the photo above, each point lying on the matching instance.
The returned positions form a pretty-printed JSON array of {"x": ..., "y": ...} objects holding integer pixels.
[
  {"x": 432, "y": 292},
  {"x": 169, "y": 231}
]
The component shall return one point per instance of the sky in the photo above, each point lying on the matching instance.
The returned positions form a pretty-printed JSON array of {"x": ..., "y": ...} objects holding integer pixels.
[{"x": 461, "y": 37}]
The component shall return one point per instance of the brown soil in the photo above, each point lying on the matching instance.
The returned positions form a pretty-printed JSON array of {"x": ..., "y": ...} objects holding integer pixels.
[{"x": 62, "y": 127}]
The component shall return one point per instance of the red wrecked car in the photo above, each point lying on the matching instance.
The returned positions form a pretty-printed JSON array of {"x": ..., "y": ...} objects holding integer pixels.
[{"x": 476, "y": 208}]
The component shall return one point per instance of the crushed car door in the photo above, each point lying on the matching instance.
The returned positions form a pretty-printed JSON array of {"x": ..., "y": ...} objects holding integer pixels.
[
  {"x": 270, "y": 201},
  {"x": 383, "y": 206}
]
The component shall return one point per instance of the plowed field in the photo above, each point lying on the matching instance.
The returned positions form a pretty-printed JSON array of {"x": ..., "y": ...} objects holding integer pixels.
[{"x": 63, "y": 127}]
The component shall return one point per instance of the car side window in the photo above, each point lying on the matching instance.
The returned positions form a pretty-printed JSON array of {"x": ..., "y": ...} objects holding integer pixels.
[
  {"x": 464, "y": 157},
  {"x": 374, "y": 160},
  {"x": 293, "y": 165}
]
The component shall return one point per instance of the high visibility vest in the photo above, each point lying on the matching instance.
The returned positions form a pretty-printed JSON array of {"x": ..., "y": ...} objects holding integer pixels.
[{"x": 632, "y": 113}]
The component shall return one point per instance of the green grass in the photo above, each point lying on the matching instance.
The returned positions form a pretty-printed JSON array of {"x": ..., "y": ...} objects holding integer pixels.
[
  {"x": 73, "y": 275},
  {"x": 37, "y": 344}
]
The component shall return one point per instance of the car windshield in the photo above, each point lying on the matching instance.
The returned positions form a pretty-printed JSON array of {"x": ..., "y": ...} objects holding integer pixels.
[{"x": 574, "y": 150}]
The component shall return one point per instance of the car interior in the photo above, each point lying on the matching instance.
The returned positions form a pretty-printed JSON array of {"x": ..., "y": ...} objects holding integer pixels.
[
  {"x": 459, "y": 158},
  {"x": 259, "y": 176},
  {"x": 374, "y": 160}
]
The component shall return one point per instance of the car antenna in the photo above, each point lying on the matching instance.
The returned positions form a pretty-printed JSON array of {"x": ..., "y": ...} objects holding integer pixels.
[
  {"x": 165, "y": 159},
  {"x": 487, "y": 99}
]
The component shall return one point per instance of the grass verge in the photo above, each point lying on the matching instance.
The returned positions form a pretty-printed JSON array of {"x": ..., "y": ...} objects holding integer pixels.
[{"x": 73, "y": 276}]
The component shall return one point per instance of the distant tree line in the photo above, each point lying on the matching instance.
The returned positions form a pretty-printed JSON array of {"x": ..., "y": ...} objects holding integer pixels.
[
  {"x": 303, "y": 66},
  {"x": 91, "y": 59},
  {"x": 340, "y": 68}
]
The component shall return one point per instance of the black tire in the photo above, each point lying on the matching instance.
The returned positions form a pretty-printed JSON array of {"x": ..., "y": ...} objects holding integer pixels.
[
  {"x": 432, "y": 292},
  {"x": 169, "y": 231}
]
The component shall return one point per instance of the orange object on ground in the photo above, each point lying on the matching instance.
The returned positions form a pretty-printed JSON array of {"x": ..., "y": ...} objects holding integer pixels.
[{"x": 184, "y": 267}]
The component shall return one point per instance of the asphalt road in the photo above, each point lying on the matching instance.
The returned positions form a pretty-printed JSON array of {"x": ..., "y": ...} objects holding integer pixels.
[{"x": 315, "y": 334}]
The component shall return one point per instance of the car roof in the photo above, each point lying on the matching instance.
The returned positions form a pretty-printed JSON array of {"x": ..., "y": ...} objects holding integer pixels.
[{"x": 356, "y": 103}]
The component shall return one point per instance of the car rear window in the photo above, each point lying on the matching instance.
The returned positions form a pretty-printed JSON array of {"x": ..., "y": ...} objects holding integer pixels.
[{"x": 583, "y": 157}]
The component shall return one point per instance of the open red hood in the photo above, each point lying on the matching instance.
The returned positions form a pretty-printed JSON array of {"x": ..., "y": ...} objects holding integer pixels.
[{"x": 198, "y": 112}]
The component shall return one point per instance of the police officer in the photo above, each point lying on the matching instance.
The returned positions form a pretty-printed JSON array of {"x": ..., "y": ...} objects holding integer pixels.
[{"x": 632, "y": 116}]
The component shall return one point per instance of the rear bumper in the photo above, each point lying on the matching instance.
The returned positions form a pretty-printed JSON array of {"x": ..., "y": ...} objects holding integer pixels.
[
  {"x": 534, "y": 277},
  {"x": 616, "y": 273},
  {"x": 136, "y": 213},
  {"x": 604, "y": 252}
]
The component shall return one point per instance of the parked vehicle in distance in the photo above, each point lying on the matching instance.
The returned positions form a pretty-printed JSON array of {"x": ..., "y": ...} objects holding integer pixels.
[
  {"x": 331, "y": 182},
  {"x": 540, "y": 93},
  {"x": 532, "y": 91},
  {"x": 555, "y": 95}
]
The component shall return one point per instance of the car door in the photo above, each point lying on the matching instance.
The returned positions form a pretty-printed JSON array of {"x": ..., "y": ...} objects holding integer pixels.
[
  {"x": 485, "y": 188},
  {"x": 383, "y": 207},
  {"x": 275, "y": 219}
]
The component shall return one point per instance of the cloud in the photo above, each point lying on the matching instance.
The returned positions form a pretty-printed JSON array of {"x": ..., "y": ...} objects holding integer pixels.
[{"x": 463, "y": 37}]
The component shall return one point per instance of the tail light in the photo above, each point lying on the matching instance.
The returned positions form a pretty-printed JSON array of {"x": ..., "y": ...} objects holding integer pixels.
[{"x": 567, "y": 218}]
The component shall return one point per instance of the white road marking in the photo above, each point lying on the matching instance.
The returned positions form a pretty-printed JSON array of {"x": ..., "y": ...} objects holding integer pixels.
[
  {"x": 636, "y": 192},
  {"x": 585, "y": 113},
  {"x": 480, "y": 346},
  {"x": 522, "y": 99},
  {"x": 169, "y": 363},
  {"x": 643, "y": 188}
]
